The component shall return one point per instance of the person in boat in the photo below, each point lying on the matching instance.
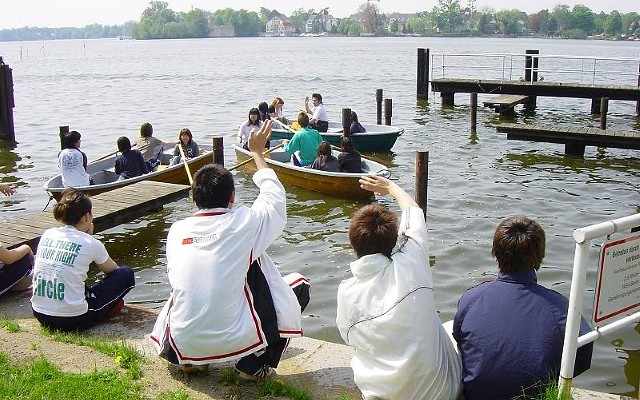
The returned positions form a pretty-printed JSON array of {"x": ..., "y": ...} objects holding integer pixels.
[
  {"x": 263, "y": 108},
  {"x": 271, "y": 112},
  {"x": 319, "y": 119},
  {"x": 510, "y": 331},
  {"x": 356, "y": 126},
  {"x": 15, "y": 264},
  {"x": 228, "y": 300},
  {"x": 303, "y": 145},
  {"x": 349, "y": 159},
  {"x": 130, "y": 162},
  {"x": 73, "y": 162},
  {"x": 325, "y": 160},
  {"x": 60, "y": 299},
  {"x": 278, "y": 105},
  {"x": 252, "y": 122},
  {"x": 189, "y": 147},
  {"x": 150, "y": 146},
  {"x": 386, "y": 311}
]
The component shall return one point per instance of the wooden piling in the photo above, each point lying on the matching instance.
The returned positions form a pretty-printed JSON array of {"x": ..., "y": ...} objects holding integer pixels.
[
  {"x": 638, "y": 102},
  {"x": 474, "y": 110},
  {"x": 346, "y": 122},
  {"x": 388, "y": 106},
  {"x": 422, "y": 90},
  {"x": 379, "y": 106},
  {"x": 218, "y": 150},
  {"x": 422, "y": 178},
  {"x": 604, "y": 108},
  {"x": 61, "y": 131},
  {"x": 7, "y": 130}
]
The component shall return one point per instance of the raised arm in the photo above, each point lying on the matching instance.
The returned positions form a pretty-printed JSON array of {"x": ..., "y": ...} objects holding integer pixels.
[
  {"x": 383, "y": 186},
  {"x": 257, "y": 141}
]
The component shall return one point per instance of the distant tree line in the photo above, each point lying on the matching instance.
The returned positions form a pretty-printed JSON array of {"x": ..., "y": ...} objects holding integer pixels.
[{"x": 447, "y": 18}]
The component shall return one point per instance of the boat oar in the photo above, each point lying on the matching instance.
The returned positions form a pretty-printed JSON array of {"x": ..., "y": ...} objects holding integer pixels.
[
  {"x": 186, "y": 165},
  {"x": 251, "y": 159},
  {"x": 287, "y": 127},
  {"x": 106, "y": 156}
]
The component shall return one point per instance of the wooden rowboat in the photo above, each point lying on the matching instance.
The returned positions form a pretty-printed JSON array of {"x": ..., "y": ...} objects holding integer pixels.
[
  {"x": 339, "y": 184},
  {"x": 376, "y": 138},
  {"x": 105, "y": 178}
]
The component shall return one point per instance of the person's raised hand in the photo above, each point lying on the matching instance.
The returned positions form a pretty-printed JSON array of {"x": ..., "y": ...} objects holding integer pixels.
[
  {"x": 258, "y": 138},
  {"x": 376, "y": 184},
  {"x": 7, "y": 189}
]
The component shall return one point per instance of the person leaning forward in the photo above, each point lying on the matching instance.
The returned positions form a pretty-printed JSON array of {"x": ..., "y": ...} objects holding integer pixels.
[
  {"x": 218, "y": 257},
  {"x": 510, "y": 331}
]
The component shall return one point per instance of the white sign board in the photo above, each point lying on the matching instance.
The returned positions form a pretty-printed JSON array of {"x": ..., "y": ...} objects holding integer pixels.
[{"x": 618, "y": 284}]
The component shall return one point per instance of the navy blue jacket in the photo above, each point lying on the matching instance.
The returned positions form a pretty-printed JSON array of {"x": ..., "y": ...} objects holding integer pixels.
[
  {"x": 131, "y": 164},
  {"x": 510, "y": 334}
]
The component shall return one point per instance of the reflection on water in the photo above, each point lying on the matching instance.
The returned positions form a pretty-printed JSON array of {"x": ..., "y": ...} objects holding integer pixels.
[{"x": 107, "y": 88}]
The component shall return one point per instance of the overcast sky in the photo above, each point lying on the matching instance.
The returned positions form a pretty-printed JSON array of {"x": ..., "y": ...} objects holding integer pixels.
[{"x": 78, "y": 13}]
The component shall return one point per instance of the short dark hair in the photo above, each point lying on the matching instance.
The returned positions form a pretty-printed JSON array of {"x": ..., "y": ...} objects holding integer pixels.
[
  {"x": 518, "y": 244},
  {"x": 212, "y": 187},
  {"x": 73, "y": 205},
  {"x": 317, "y": 96},
  {"x": 324, "y": 149},
  {"x": 263, "y": 106},
  {"x": 373, "y": 229},
  {"x": 124, "y": 144},
  {"x": 69, "y": 139},
  {"x": 146, "y": 130},
  {"x": 346, "y": 145},
  {"x": 303, "y": 119}
]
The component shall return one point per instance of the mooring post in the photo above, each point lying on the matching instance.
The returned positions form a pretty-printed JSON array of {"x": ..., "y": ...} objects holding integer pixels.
[
  {"x": 422, "y": 90},
  {"x": 61, "y": 131},
  {"x": 346, "y": 122},
  {"x": 379, "y": 106},
  {"x": 638, "y": 102},
  {"x": 604, "y": 108},
  {"x": 474, "y": 110},
  {"x": 7, "y": 131},
  {"x": 422, "y": 178},
  {"x": 218, "y": 150},
  {"x": 388, "y": 106},
  {"x": 574, "y": 149}
]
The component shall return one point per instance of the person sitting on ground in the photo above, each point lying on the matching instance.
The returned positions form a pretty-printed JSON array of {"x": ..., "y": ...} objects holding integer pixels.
[
  {"x": 60, "y": 298},
  {"x": 15, "y": 266},
  {"x": 349, "y": 159},
  {"x": 387, "y": 311},
  {"x": 303, "y": 145},
  {"x": 150, "y": 146},
  {"x": 278, "y": 104},
  {"x": 325, "y": 160},
  {"x": 510, "y": 331},
  {"x": 356, "y": 127},
  {"x": 319, "y": 119},
  {"x": 253, "y": 122},
  {"x": 189, "y": 147},
  {"x": 129, "y": 163},
  {"x": 73, "y": 162},
  {"x": 228, "y": 300}
]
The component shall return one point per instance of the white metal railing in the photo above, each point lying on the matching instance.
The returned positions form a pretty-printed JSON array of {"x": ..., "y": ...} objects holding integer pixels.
[
  {"x": 550, "y": 68},
  {"x": 572, "y": 340}
]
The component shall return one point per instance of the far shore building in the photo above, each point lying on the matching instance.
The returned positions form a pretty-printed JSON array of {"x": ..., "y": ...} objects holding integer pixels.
[
  {"x": 321, "y": 22},
  {"x": 278, "y": 26}
]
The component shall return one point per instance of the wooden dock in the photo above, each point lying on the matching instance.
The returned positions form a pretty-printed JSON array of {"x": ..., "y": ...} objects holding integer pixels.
[
  {"x": 109, "y": 209},
  {"x": 505, "y": 103},
  {"x": 574, "y": 138},
  {"x": 449, "y": 87}
]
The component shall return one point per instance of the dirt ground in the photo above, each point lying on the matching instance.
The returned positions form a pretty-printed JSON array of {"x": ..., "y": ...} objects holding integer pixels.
[{"x": 310, "y": 364}]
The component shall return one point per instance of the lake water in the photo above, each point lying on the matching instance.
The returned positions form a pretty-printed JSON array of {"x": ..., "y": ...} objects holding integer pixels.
[{"x": 107, "y": 88}]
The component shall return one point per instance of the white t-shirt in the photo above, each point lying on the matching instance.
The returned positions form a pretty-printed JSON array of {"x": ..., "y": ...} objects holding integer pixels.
[
  {"x": 319, "y": 113},
  {"x": 245, "y": 130},
  {"x": 60, "y": 271},
  {"x": 72, "y": 169}
]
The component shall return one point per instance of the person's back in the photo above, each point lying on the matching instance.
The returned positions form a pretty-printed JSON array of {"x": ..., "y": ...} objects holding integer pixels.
[
  {"x": 73, "y": 162},
  {"x": 386, "y": 311},
  {"x": 305, "y": 142},
  {"x": 129, "y": 163},
  {"x": 349, "y": 159},
  {"x": 510, "y": 331},
  {"x": 356, "y": 126},
  {"x": 325, "y": 160}
]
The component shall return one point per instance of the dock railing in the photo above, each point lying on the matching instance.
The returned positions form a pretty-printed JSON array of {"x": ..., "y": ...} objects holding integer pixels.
[
  {"x": 546, "y": 67},
  {"x": 572, "y": 340}
]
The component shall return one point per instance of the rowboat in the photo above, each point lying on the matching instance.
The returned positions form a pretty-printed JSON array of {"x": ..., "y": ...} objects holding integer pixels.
[
  {"x": 105, "y": 178},
  {"x": 339, "y": 184},
  {"x": 376, "y": 138}
]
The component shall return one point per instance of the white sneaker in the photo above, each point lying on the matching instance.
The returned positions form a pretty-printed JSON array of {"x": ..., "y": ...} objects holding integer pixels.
[{"x": 264, "y": 373}]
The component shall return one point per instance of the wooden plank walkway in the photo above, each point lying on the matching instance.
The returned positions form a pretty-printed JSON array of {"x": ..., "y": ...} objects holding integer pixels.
[
  {"x": 505, "y": 104},
  {"x": 574, "y": 138},
  {"x": 109, "y": 209}
]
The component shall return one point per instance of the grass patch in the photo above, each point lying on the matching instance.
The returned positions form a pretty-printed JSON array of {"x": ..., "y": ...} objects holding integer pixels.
[
  {"x": 281, "y": 388},
  {"x": 176, "y": 395},
  {"x": 40, "y": 380},
  {"x": 10, "y": 325},
  {"x": 123, "y": 354}
]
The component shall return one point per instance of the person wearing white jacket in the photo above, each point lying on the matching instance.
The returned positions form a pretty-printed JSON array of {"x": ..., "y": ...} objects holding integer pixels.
[
  {"x": 386, "y": 311},
  {"x": 228, "y": 300}
]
